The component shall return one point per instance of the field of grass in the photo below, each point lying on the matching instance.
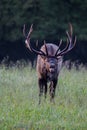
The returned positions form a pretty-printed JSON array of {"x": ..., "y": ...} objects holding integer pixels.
[{"x": 19, "y": 109}]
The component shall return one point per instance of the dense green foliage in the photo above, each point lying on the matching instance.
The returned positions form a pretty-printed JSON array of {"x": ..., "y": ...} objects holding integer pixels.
[
  {"x": 19, "y": 109},
  {"x": 50, "y": 18}
]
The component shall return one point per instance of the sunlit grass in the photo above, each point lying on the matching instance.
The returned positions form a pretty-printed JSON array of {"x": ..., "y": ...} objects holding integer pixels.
[{"x": 19, "y": 109}]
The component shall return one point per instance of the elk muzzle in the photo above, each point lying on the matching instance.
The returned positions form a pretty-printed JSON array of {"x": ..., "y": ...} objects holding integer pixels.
[
  {"x": 52, "y": 71},
  {"x": 52, "y": 68}
]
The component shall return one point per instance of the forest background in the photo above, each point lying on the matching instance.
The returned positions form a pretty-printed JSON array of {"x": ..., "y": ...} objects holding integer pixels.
[{"x": 50, "y": 20}]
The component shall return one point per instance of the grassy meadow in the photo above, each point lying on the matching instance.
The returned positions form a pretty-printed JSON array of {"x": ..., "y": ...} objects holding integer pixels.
[{"x": 19, "y": 109}]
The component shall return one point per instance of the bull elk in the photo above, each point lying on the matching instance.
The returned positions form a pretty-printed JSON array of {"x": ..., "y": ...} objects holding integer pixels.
[{"x": 49, "y": 61}]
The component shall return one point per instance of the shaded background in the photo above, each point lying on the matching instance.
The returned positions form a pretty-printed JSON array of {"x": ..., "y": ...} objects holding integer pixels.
[{"x": 50, "y": 19}]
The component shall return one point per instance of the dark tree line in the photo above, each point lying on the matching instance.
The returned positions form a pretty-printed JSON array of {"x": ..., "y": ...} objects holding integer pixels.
[{"x": 50, "y": 19}]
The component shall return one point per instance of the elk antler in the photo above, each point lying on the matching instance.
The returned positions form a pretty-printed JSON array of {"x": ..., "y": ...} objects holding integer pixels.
[
  {"x": 28, "y": 44},
  {"x": 70, "y": 44},
  {"x": 46, "y": 48}
]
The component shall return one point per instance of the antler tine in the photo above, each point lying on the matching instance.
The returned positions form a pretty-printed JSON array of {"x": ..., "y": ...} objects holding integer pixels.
[
  {"x": 69, "y": 35},
  {"x": 60, "y": 43},
  {"x": 70, "y": 30},
  {"x": 58, "y": 47},
  {"x": 45, "y": 47},
  {"x": 38, "y": 48},
  {"x": 24, "y": 31},
  {"x": 74, "y": 41},
  {"x": 30, "y": 31},
  {"x": 63, "y": 49}
]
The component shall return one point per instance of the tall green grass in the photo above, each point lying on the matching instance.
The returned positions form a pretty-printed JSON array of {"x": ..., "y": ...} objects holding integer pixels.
[{"x": 19, "y": 109}]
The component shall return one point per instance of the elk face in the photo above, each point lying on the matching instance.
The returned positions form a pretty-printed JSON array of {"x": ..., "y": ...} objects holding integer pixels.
[{"x": 52, "y": 67}]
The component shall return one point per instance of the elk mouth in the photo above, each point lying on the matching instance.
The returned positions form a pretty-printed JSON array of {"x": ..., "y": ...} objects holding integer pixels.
[
  {"x": 52, "y": 70},
  {"x": 51, "y": 74}
]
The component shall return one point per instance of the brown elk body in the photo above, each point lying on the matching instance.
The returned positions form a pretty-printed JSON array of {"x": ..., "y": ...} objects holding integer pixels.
[
  {"x": 49, "y": 62},
  {"x": 48, "y": 69}
]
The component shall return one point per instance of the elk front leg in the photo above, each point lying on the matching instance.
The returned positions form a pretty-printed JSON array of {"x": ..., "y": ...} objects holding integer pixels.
[
  {"x": 45, "y": 89},
  {"x": 52, "y": 88}
]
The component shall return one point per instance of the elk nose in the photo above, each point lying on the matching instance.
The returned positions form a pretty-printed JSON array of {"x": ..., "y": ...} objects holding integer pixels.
[{"x": 52, "y": 68}]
